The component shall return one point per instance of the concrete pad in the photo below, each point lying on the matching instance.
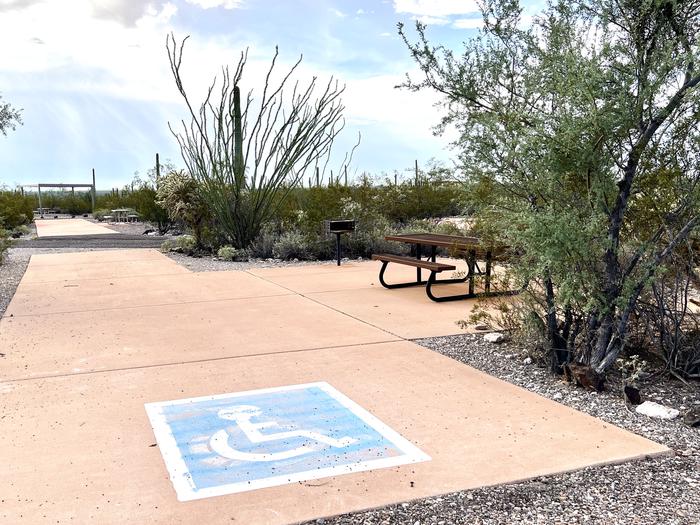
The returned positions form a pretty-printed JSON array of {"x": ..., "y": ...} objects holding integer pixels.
[
  {"x": 97, "y": 257},
  {"x": 81, "y": 448},
  {"x": 405, "y": 312},
  {"x": 128, "y": 292},
  {"x": 67, "y": 343},
  {"x": 63, "y": 227},
  {"x": 108, "y": 269},
  {"x": 348, "y": 276}
]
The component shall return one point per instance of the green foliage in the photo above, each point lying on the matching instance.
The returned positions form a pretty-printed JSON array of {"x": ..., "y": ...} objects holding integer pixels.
[
  {"x": 15, "y": 209},
  {"x": 185, "y": 244},
  {"x": 180, "y": 195},
  {"x": 10, "y": 117},
  {"x": 4, "y": 243},
  {"x": 99, "y": 215},
  {"x": 229, "y": 253},
  {"x": 579, "y": 139},
  {"x": 292, "y": 245},
  {"x": 247, "y": 158}
]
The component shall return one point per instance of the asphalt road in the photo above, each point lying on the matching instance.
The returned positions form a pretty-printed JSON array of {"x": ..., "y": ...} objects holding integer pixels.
[{"x": 117, "y": 240}]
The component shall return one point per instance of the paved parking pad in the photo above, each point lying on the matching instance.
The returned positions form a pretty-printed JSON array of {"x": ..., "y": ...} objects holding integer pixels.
[
  {"x": 97, "y": 257},
  {"x": 350, "y": 276},
  {"x": 82, "y": 447},
  {"x": 271, "y": 396},
  {"x": 63, "y": 227},
  {"x": 86, "y": 341},
  {"x": 33, "y": 299},
  {"x": 272, "y": 436},
  {"x": 355, "y": 290}
]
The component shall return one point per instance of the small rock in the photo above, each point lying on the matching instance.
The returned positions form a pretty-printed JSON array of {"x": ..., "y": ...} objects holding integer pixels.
[
  {"x": 527, "y": 361},
  {"x": 557, "y": 396},
  {"x": 495, "y": 337},
  {"x": 692, "y": 418},
  {"x": 651, "y": 409},
  {"x": 481, "y": 326}
]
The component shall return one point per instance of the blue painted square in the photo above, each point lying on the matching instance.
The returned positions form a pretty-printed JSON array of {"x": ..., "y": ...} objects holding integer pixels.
[{"x": 243, "y": 441}]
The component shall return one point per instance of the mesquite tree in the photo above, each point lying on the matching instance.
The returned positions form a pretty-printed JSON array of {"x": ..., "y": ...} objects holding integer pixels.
[
  {"x": 10, "y": 117},
  {"x": 248, "y": 156},
  {"x": 580, "y": 132}
]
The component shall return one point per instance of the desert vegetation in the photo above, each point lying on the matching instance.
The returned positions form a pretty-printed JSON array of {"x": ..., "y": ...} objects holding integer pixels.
[{"x": 579, "y": 141}]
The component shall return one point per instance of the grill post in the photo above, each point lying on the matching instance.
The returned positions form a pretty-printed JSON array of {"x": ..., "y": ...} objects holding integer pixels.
[{"x": 339, "y": 227}]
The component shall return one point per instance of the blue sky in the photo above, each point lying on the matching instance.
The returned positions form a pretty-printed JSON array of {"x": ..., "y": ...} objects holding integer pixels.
[{"x": 94, "y": 83}]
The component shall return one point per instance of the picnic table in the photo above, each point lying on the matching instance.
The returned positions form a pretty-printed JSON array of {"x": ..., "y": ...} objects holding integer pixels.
[
  {"x": 124, "y": 215},
  {"x": 469, "y": 246}
]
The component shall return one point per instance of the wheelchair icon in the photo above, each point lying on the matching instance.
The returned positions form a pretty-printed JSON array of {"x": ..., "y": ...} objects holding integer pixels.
[{"x": 242, "y": 415}]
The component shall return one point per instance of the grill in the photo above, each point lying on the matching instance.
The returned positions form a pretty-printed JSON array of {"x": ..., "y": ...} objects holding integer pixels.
[{"x": 339, "y": 227}]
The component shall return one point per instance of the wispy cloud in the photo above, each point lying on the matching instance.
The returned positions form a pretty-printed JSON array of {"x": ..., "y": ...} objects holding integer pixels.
[
  {"x": 337, "y": 12},
  {"x": 210, "y": 4},
  {"x": 436, "y": 8},
  {"x": 468, "y": 23},
  {"x": 432, "y": 20}
]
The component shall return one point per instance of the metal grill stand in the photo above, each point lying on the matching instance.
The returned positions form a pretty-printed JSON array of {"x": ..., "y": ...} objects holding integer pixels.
[{"x": 339, "y": 227}]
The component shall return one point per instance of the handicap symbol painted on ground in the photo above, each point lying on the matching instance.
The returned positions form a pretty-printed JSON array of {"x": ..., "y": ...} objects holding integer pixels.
[
  {"x": 242, "y": 441},
  {"x": 242, "y": 415}
]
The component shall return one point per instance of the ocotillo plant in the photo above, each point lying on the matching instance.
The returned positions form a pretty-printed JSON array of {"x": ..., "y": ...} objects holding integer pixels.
[{"x": 247, "y": 157}]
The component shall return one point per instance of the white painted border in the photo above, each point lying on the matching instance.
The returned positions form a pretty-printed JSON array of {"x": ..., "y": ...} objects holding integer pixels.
[{"x": 181, "y": 478}]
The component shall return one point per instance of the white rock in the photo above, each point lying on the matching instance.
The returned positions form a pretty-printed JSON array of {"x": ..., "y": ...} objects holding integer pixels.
[
  {"x": 557, "y": 396},
  {"x": 527, "y": 361},
  {"x": 495, "y": 337},
  {"x": 651, "y": 409}
]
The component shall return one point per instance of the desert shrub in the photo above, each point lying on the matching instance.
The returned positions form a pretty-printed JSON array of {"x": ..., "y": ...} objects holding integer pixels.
[
  {"x": 4, "y": 243},
  {"x": 183, "y": 244},
  {"x": 15, "y": 209},
  {"x": 179, "y": 194},
  {"x": 292, "y": 245},
  {"x": 100, "y": 214},
  {"x": 264, "y": 243},
  {"x": 229, "y": 253},
  {"x": 22, "y": 229}
]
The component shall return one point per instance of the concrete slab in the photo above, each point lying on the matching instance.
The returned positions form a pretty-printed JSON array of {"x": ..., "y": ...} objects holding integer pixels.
[
  {"x": 62, "y": 227},
  {"x": 108, "y": 269},
  {"x": 121, "y": 338},
  {"x": 348, "y": 276},
  {"x": 81, "y": 447},
  {"x": 405, "y": 312},
  {"x": 97, "y": 257},
  {"x": 128, "y": 292},
  {"x": 355, "y": 290}
]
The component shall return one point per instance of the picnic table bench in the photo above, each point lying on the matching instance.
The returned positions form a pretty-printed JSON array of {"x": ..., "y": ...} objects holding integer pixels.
[{"x": 458, "y": 245}]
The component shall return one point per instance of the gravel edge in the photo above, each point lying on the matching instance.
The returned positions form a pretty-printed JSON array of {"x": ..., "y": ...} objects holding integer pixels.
[{"x": 649, "y": 491}]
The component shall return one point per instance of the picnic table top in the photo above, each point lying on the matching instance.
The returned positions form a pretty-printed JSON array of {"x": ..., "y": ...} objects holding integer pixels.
[{"x": 435, "y": 239}]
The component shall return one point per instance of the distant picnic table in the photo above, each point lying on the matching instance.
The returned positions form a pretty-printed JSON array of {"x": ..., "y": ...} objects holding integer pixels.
[{"x": 471, "y": 247}]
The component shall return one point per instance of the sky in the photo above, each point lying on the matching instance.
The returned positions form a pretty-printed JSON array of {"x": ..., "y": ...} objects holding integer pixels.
[{"x": 93, "y": 80}]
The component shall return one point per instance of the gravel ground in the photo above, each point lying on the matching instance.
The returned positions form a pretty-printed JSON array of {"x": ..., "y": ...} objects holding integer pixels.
[
  {"x": 213, "y": 264},
  {"x": 655, "y": 491}
]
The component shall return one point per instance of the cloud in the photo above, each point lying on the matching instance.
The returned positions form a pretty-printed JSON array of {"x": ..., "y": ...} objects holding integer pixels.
[
  {"x": 436, "y": 8},
  {"x": 360, "y": 12},
  {"x": 126, "y": 12},
  {"x": 209, "y": 4},
  {"x": 337, "y": 12},
  {"x": 10, "y": 5},
  {"x": 468, "y": 23},
  {"x": 432, "y": 20}
]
